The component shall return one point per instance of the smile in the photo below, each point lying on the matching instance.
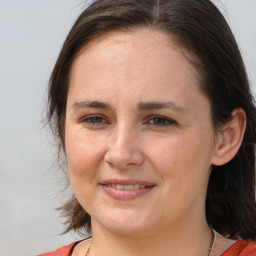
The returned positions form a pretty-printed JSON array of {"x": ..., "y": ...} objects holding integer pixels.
[
  {"x": 126, "y": 190},
  {"x": 126, "y": 187}
]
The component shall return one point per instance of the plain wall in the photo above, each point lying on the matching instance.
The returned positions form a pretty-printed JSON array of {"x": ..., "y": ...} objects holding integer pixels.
[{"x": 31, "y": 35}]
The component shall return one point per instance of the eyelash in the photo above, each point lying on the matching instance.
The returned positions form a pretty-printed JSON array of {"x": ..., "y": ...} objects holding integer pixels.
[
  {"x": 90, "y": 120},
  {"x": 96, "y": 120},
  {"x": 164, "y": 121}
]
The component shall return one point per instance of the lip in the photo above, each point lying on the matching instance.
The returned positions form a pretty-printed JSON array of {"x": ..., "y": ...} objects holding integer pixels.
[
  {"x": 126, "y": 182},
  {"x": 126, "y": 194}
]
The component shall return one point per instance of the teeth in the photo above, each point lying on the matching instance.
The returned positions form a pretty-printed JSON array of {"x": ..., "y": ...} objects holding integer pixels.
[
  {"x": 120, "y": 187},
  {"x": 126, "y": 187},
  {"x": 136, "y": 186}
]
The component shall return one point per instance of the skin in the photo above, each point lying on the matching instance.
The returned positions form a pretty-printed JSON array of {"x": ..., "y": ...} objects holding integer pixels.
[{"x": 171, "y": 147}]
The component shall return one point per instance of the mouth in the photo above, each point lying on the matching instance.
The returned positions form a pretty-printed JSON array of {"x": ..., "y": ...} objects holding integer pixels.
[{"x": 126, "y": 189}]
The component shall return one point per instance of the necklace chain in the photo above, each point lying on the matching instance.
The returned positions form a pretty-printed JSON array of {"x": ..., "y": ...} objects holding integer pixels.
[
  {"x": 88, "y": 251},
  {"x": 209, "y": 250}
]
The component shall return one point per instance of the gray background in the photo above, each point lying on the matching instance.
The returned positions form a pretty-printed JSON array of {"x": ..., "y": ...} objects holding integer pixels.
[{"x": 31, "y": 35}]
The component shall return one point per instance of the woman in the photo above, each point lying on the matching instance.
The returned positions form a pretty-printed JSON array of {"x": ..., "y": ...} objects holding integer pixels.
[{"x": 152, "y": 107}]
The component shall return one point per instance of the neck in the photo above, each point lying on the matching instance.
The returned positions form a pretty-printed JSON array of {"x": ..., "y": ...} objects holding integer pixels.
[{"x": 191, "y": 238}]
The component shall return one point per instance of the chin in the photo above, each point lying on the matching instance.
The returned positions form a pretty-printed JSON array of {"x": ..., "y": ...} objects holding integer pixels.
[
  {"x": 126, "y": 224},
  {"x": 126, "y": 230}
]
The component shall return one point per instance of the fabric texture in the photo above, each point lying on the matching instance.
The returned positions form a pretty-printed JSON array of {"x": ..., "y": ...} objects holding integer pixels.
[
  {"x": 63, "y": 251},
  {"x": 239, "y": 248}
]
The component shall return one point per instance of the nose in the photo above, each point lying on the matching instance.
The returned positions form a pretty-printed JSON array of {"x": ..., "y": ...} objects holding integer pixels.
[{"x": 124, "y": 151}]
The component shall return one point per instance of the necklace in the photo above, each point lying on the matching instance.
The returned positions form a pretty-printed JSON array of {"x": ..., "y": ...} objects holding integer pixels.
[
  {"x": 88, "y": 251},
  {"x": 209, "y": 249}
]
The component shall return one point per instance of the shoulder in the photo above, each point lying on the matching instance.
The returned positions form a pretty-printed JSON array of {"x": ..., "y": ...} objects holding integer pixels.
[
  {"x": 63, "y": 251},
  {"x": 241, "y": 248}
]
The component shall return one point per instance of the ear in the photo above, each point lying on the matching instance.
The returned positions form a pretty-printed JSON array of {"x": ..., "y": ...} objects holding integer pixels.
[{"x": 230, "y": 138}]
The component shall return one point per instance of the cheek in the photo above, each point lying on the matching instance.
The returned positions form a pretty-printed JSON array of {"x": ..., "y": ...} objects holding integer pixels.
[
  {"x": 183, "y": 158},
  {"x": 84, "y": 153},
  {"x": 85, "y": 156}
]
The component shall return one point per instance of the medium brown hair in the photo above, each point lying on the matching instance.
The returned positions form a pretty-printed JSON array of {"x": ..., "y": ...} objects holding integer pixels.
[{"x": 199, "y": 27}]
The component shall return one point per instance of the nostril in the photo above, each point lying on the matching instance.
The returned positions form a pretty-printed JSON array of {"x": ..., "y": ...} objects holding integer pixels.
[{"x": 123, "y": 158}]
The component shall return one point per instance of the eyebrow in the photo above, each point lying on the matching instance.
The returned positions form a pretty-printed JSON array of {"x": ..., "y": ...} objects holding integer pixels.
[
  {"x": 89, "y": 104},
  {"x": 161, "y": 105},
  {"x": 141, "y": 106}
]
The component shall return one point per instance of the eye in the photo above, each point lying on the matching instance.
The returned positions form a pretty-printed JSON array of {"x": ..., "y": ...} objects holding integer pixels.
[
  {"x": 161, "y": 121},
  {"x": 93, "y": 120}
]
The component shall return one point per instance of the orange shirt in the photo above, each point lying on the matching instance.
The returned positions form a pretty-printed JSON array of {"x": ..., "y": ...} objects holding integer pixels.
[
  {"x": 63, "y": 251},
  {"x": 239, "y": 248}
]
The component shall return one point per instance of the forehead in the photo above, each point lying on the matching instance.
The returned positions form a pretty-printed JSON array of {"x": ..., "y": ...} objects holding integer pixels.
[
  {"x": 141, "y": 61},
  {"x": 148, "y": 44}
]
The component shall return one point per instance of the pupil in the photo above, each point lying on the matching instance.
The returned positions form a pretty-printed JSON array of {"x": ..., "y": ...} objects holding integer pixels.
[
  {"x": 159, "y": 120},
  {"x": 96, "y": 119}
]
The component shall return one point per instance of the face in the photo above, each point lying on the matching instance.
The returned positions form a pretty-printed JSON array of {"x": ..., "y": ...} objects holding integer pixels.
[{"x": 138, "y": 133}]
